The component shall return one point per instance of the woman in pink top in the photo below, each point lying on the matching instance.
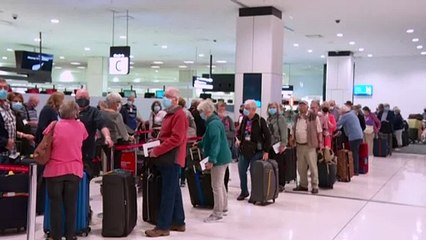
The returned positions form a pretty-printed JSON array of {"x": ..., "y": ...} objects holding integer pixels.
[
  {"x": 64, "y": 170},
  {"x": 328, "y": 123}
]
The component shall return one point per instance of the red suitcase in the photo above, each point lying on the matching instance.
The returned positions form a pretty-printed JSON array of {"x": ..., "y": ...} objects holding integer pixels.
[{"x": 363, "y": 158}]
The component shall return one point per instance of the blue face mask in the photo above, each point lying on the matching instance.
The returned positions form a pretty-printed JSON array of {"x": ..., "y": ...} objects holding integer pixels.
[
  {"x": 3, "y": 94},
  {"x": 272, "y": 111},
  {"x": 246, "y": 112},
  {"x": 17, "y": 106},
  {"x": 157, "y": 108},
  {"x": 167, "y": 102},
  {"x": 203, "y": 116}
]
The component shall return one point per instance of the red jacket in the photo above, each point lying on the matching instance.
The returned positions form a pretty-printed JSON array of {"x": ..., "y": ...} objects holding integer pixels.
[{"x": 173, "y": 134}]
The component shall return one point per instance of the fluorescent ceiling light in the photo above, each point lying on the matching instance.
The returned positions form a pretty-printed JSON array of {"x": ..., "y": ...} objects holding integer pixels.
[
  {"x": 37, "y": 40},
  {"x": 123, "y": 37},
  {"x": 57, "y": 67},
  {"x": 322, "y": 56},
  {"x": 370, "y": 55},
  {"x": 115, "y": 79},
  {"x": 183, "y": 66},
  {"x": 132, "y": 63},
  {"x": 419, "y": 47},
  {"x": 415, "y": 40},
  {"x": 54, "y": 20},
  {"x": 213, "y": 66},
  {"x": 137, "y": 80},
  {"x": 131, "y": 67},
  {"x": 9, "y": 50},
  {"x": 156, "y": 72},
  {"x": 155, "y": 67},
  {"x": 86, "y": 49},
  {"x": 75, "y": 63},
  {"x": 339, "y": 35},
  {"x": 4, "y": 58},
  {"x": 81, "y": 67},
  {"x": 164, "y": 46},
  {"x": 188, "y": 62},
  {"x": 131, "y": 56},
  {"x": 158, "y": 62},
  {"x": 310, "y": 50},
  {"x": 295, "y": 45},
  {"x": 361, "y": 49},
  {"x": 351, "y": 43},
  {"x": 423, "y": 53},
  {"x": 201, "y": 55},
  {"x": 62, "y": 57},
  {"x": 221, "y": 61},
  {"x": 410, "y": 30}
]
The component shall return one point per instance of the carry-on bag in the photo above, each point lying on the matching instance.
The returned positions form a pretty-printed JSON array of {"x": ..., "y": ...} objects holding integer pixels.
[
  {"x": 345, "y": 166},
  {"x": 119, "y": 204},
  {"x": 151, "y": 190},
  {"x": 363, "y": 158},
  {"x": 327, "y": 169},
  {"x": 380, "y": 147},
  {"x": 82, "y": 218},
  {"x": 264, "y": 181},
  {"x": 290, "y": 157}
]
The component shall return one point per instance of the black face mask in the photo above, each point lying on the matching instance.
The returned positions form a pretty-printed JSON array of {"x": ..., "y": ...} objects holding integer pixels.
[
  {"x": 325, "y": 109},
  {"x": 241, "y": 111},
  {"x": 82, "y": 102}
]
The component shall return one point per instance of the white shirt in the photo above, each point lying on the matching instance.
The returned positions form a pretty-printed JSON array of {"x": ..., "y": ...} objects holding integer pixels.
[{"x": 302, "y": 129}]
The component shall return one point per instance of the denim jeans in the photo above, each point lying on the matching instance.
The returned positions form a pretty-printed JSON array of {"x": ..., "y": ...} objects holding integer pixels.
[
  {"x": 243, "y": 165},
  {"x": 355, "y": 153},
  {"x": 171, "y": 207}
]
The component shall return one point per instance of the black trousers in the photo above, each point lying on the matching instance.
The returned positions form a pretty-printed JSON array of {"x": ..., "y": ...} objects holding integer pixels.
[
  {"x": 62, "y": 192},
  {"x": 282, "y": 165}
]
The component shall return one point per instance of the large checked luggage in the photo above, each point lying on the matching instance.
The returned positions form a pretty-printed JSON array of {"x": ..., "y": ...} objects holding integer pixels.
[
  {"x": 119, "y": 204},
  {"x": 380, "y": 147},
  {"x": 345, "y": 165},
  {"x": 151, "y": 190},
  {"x": 264, "y": 181},
  {"x": 13, "y": 201},
  {"x": 82, "y": 218},
  {"x": 327, "y": 169},
  {"x": 363, "y": 158},
  {"x": 290, "y": 158}
]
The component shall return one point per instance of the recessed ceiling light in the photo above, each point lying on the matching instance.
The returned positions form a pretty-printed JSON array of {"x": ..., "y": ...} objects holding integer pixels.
[
  {"x": 115, "y": 79},
  {"x": 361, "y": 49},
  {"x": 419, "y": 47},
  {"x": 123, "y": 37},
  {"x": 415, "y": 40},
  {"x": 81, "y": 67},
  {"x": 132, "y": 63},
  {"x": 410, "y": 30},
  {"x": 131, "y": 67},
  {"x": 310, "y": 50},
  {"x": 183, "y": 66},
  {"x": 9, "y": 50},
  {"x": 156, "y": 71},
  {"x": 164, "y": 46},
  {"x": 213, "y": 66},
  {"x": 158, "y": 62},
  {"x": 201, "y": 55},
  {"x": 351, "y": 43},
  {"x": 4, "y": 58},
  {"x": 291, "y": 17},
  {"x": 54, "y": 20},
  {"x": 322, "y": 56},
  {"x": 370, "y": 55},
  {"x": 131, "y": 56},
  {"x": 423, "y": 53},
  {"x": 37, "y": 40},
  {"x": 221, "y": 61},
  {"x": 86, "y": 49},
  {"x": 339, "y": 35},
  {"x": 137, "y": 80},
  {"x": 61, "y": 57},
  {"x": 188, "y": 62},
  {"x": 75, "y": 63},
  {"x": 155, "y": 67},
  {"x": 57, "y": 67},
  {"x": 295, "y": 45}
]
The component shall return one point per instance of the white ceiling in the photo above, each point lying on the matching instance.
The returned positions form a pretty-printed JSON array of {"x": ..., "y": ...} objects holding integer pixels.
[{"x": 189, "y": 27}]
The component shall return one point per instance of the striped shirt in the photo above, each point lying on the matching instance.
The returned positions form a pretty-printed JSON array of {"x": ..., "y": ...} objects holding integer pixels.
[{"x": 9, "y": 125}]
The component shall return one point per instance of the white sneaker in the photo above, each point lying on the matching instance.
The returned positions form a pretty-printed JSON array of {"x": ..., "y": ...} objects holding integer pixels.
[{"x": 212, "y": 218}]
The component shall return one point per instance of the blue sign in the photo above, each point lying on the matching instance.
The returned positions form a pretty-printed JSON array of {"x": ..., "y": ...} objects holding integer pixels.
[{"x": 363, "y": 90}]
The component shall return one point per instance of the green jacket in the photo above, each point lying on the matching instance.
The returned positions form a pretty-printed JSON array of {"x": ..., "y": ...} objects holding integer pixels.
[{"x": 214, "y": 143}]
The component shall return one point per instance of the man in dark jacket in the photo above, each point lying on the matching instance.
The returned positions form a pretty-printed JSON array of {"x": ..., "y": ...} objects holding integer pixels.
[
  {"x": 254, "y": 140},
  {"x": 199, "y": 122}
]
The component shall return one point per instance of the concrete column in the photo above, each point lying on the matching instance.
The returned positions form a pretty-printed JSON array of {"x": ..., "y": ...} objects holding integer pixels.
[
  {"x": 260, "y": 33},
  {"x": 340, "y": 77},
  {"x": 97, "y": 76}
]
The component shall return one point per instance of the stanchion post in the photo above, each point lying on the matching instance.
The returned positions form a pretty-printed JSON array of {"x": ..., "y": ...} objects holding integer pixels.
[{"x": 32, "y": 199}]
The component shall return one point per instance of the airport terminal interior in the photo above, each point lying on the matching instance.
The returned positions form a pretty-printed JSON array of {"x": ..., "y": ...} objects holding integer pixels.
[{"x": 356, "y": 53}]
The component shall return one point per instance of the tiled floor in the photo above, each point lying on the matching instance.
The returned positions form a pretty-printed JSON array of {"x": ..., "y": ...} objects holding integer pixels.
[{"x": 387, "y": 203}]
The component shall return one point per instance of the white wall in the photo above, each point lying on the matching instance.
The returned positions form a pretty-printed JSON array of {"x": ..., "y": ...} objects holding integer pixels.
[{"x": 399, "y": 81}]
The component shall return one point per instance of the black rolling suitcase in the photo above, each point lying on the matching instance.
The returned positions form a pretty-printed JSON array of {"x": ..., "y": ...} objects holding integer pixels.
[
  {"x": 151, "y": 190},
  {"x": 290, "y": 158},
  {"x": 13, "y": 202},
  {"x": 119, "y": 204},
  {"x": 264, "y": 181},
  {"x": 327, "y": 172}
]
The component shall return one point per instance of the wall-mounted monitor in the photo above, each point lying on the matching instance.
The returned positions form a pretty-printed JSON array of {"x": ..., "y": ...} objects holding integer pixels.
[
  {"x": 159, "y": 93},
  {"x": 34, "y": 61},
  {"x": 363, "y": 90},
  {"x": 252, "y": 87},
  {"x": 222, "y": 82},
  {"x": 128, "y": 93}
]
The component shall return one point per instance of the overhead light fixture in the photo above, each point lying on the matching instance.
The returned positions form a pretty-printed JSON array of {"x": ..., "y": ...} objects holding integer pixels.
[
  {"x": 57, "y": 67},
  {"x": 310, "y": 50},
  {"x": 86, "y": 49},
  {"x": 155, "y": 67},
  {"x": 291, "y": 17},
  {"x": 351, "y": 43},
  {"x": 322, "y": 56},
  {"x": 81, "y": 67},
  {"x": 4, "y": 58},
  {"x": 213, "y": 66},
  {"x": 37, "y": 39},
  {"x": 188, "y": 62},
  {"x": 410, "y": 30},
  {"x": 136, "y": 80},
  {"x": 131, "y": 56},
  {"x": 201, "y": 55},
  {"x": 415, "y": 40},
  {"x": 132, "y": 63},
  {"x": 9, "y": 50},
  {"x": 132, "y": 67},
  {"x": 339, "y": 35},
  {"x": 221, "y": 61},
  {"x": 423, "y": 53},
  {"x": 75, "y": 63},
  {"x": 158, "y": 62},
  {"x": 164, "y": 46},
  {"x": 156, "y": 71},
  {"x": 115, "y": 79},
  {"x": 123, "y": 37},
  {"x": 183, "y": 66},
  {"x": 54, "y": 20},
  {"x": 61, "y": 57},
  {"x": 370, "y": 55},
  {"x": 420, "y": 47},
  {"x": 295, "y": 45},
  {"x": 361, "y": 49}
]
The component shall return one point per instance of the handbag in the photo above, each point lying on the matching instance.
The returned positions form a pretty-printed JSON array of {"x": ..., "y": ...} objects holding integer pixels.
[
  {"x": 369, "y": 129},
  {"x": 42, "y": 152},
  {"x": 167, "y": 159}
]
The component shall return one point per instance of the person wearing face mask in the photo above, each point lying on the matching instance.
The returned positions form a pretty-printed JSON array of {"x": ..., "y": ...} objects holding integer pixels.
[
  {"x": 132, "y": 113},
  {"x": 25, "y": 139},
  {"x": 7, "y": 125},
  {"x": 31, "y": 112},
  {"x": 279, "y": 134},
  {"x": 227, "y": 122},
  {"x": 254, "y": 141},
  {"x": 171, "y": 215},
  {"x": 334, "y": 110},
  {"x": 156, "y": 118},
  {"x": 328, "y": 123}
]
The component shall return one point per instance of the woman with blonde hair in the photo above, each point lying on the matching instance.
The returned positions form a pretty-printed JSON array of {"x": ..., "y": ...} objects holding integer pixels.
[{"x": 48, "y": 114}]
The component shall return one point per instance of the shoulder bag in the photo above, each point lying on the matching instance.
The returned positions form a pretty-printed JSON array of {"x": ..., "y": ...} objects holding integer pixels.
[{"x": 42, "y": 152}]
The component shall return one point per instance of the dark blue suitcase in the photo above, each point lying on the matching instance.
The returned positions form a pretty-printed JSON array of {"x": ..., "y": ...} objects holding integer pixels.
[
  {"x": 82, "y": 219},
  {"x": 380, "y": 147}
]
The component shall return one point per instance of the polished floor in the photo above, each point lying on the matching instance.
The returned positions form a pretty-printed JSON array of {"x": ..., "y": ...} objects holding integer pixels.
[{"x": 387, "y": 203}]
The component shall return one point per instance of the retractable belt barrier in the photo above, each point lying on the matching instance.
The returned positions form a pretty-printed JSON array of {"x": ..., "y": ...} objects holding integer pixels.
[
  {"x": 14, "y": 168},
  {"x": 137, "y": 133}
]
